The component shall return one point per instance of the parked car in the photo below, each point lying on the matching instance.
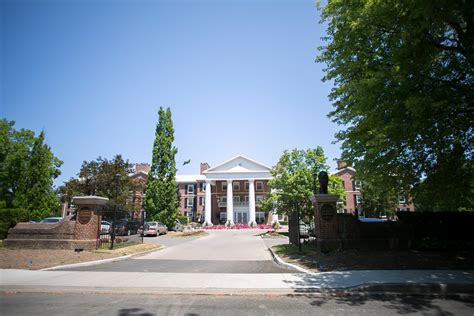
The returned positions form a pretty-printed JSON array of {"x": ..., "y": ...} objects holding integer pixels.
[
  {"x": 154, "y": 229},
  {"x": 105, "y": 227},
  {"x": 51, "y": 220},
  {"x": 178, "y": 227},
  {"x": 304, "y": 230},
  {"x": 126, "y": 227}
]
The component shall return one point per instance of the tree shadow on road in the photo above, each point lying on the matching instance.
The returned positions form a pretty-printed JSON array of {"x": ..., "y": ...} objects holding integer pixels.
[{"x": 133, "y": 312}]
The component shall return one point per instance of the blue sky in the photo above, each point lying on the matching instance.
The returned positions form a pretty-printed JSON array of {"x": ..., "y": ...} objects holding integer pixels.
[{"x": 239, "y": 76}]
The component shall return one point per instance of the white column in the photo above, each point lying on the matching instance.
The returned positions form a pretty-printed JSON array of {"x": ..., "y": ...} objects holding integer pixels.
[
  {"x": 207, "y": 205},
  {"x": 230, "y": 203},
  {"x": 274, "y": 212},
  {"x": 251, "y": 202}
]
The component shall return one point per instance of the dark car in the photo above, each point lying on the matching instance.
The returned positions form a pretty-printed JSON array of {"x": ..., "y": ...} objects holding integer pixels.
[{"x": 126, "y": 227}]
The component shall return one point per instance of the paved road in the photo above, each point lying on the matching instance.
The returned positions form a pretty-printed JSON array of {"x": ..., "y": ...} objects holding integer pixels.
[
  {"x": 222, "y": 251},
  {"x": 148, "y": 305}
]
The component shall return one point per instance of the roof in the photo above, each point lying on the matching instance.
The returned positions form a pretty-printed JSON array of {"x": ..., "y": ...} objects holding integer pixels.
[
  {"x": 239, "y": 163},
  {"x": 344, "y": 169},
  {"x": 190, "y": 178}
]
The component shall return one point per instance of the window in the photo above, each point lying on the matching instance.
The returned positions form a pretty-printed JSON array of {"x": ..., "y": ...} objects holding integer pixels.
[
  {"x": 357, "y": 185},
  {"x": 343, "y": 184},
  {"x": 189, "y": 214},
  {"x": 259, "y": 185},
  {"x": 236, "y": 186},
  {"x": 202, "y": 200},
  {"x": 190, "y": 189},
  {"x": 224, "y": 199},
  {"x": 224, "y": 186},
  {"x": 357, "y": 199},
  {"x": 237, "y": 199},
  {"x": 203, "y": 187},
  {"x": 260, "y": 217},
  {"x": 246, "y": 185},
  {"x": 402, "y": 200},
  {"x": 259, "y": 198},
  {"x": 189, "y": 202},
  {"x": 247, "y": 198}
]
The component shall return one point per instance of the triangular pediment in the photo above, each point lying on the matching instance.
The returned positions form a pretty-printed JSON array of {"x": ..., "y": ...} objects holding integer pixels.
[{"x": 239, "y": 164}]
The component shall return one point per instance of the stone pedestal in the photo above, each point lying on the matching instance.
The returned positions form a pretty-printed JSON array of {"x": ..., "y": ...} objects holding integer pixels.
[
  {"x": 326, "y": 225},
  {"x": 88, "y": 220}
]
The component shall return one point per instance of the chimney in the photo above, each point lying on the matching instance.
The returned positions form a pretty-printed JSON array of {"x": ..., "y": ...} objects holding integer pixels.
[
  {"x": 204, "y": 166},
  {"x": 142, "y": 167},
  {"x": 341, "y": 164}
]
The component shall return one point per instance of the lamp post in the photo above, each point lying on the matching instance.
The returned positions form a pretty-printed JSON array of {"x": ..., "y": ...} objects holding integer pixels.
[{"x": 117, "y": 185}]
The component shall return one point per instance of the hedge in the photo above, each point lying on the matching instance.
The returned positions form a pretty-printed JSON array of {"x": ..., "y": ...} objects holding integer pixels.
[
  {"x": 440, "y": 230},
  {"x": 9, "y": 217}
]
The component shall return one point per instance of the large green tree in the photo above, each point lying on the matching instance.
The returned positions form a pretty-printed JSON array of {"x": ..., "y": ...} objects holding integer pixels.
[
  {"x": 99, "y": 177},
  {"x": 161, "y": 201},
  {"x": 27, "y": 171},
  {"x": 292, "y": 181},
  {"x": 404, "y": 74}
]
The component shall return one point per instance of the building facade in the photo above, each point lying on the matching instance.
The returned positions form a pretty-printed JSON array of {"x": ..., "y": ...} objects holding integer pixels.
[{"x": 225, "y": 194}]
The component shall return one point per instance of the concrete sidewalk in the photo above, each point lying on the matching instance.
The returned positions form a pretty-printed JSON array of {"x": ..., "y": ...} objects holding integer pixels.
[{"x": 134, "y": 282}]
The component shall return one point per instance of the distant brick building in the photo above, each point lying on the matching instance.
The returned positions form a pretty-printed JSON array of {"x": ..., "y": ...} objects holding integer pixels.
[{"x": 354, "y": 191}]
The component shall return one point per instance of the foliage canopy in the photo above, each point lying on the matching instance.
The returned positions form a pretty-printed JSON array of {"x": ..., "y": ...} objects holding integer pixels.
[
  {"x": 292, "y": 181},
  {"x": 403, "y": 74}
]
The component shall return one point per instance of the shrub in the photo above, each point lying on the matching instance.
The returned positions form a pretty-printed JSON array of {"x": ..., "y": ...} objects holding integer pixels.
[
  {"x": 283, "y": 223},
  {"x": 183, "y": 220},
  {"x": 9, "y": 217}
]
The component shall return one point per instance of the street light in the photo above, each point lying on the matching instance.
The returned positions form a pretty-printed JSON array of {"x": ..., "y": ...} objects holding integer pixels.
[{"x": 117, "y": 185}]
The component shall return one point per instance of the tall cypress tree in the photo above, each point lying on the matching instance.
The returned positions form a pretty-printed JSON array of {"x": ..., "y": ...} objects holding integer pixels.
[{"x": 160, "y": 201}]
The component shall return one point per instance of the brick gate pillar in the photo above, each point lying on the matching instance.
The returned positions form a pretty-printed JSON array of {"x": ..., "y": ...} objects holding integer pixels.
[
  {"x": 326, "y": 224},
  {"x": 88, "y": 219}
]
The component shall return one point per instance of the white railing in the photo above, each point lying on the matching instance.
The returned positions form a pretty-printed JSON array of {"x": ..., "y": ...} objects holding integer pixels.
[{"x": 241, "y": 203}]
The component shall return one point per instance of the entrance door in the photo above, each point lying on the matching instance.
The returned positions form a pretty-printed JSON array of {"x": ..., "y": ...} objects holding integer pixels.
[{"x": 240, "y": 216}]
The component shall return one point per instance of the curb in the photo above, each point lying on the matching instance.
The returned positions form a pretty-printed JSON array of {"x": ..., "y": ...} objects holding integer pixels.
[
  {"x": 101, "y": 261},
  {"x": 285, "y": 264},
  {"x": 388, "y": 289}
]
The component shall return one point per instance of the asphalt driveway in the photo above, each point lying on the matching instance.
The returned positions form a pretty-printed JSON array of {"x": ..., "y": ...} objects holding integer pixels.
[{"x": 222, "y": 251}]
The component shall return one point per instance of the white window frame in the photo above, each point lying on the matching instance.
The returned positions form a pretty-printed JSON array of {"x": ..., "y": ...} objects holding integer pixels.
[
  {"x": 257, "y": 184},
  {"x": 190, "y": 186},
  {"x": 203, "y": 200},
  {"x": 259, "y": 198},
  {"x": 236, "y": 186},
  {"x": 222, "y": 216},
  {"x": 203, "y": 186},
  {"x": 357, "y": 185},
  {"x": 224, "y": 186},
  {"x": 188, "y": 205},
  {"x": 224, "y": 199},
  {"x": 260, "y": 215},
  {"x": 236, "y": 198},
  {"x": 247, "y": 199},
  {"x": 402, "y": 200},
  {"x": 247, "y": 185},
  {"x": 358, "y": 199}
]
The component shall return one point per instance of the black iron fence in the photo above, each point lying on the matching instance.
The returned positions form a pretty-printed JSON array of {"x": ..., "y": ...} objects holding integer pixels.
[{"x": 117, "y": 229}]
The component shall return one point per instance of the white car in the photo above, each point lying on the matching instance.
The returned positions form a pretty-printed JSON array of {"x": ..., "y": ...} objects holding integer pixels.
[
  {"x": 105, "y": 227},
  {"x": 155, "y": 229},
  {"x": 52, "y": 220}
]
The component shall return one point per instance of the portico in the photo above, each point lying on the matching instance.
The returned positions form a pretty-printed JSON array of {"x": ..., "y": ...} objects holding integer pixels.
[{"x": 233, "y": 174}]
